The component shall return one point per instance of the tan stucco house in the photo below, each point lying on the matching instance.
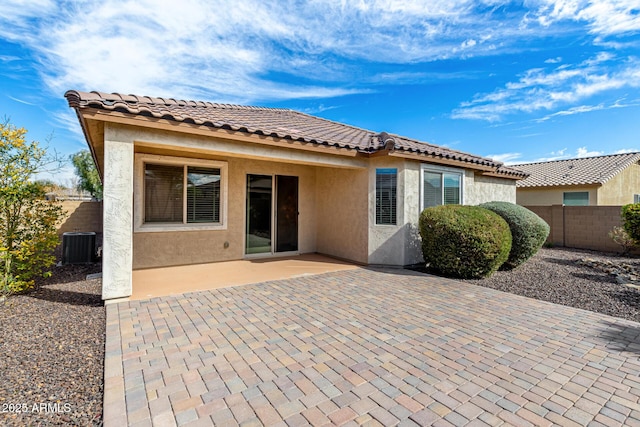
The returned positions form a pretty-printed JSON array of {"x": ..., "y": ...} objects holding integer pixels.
[
  {"x": 196, "y": 182},
  {"x": 611, "y": 180}
]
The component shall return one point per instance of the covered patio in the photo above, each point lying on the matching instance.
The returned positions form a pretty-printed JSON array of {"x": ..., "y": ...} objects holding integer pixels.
[{"x": 163, "y": 281}]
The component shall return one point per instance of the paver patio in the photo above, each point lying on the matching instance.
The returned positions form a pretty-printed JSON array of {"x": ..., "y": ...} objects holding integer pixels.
[{"x": 367, "y": 347}]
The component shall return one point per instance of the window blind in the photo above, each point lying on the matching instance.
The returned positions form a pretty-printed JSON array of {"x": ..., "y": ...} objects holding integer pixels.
[
  {"x": 451, "y": 189},
  {"x": 441, "y": 188},
  {"x": 432, "y": 189},
  {"x": 203, "y": 194},
  {"x": 163, "y": 193},
  {"x": 386, "y": 205}
]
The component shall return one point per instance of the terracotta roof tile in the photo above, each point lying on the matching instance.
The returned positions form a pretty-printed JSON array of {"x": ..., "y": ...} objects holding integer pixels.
[
  {"x": 582, "y": 171},
  {"x": 275, "y": 122}
]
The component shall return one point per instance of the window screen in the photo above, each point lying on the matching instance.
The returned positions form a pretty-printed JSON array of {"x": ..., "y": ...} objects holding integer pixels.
[{"x": 386, "y": 183}]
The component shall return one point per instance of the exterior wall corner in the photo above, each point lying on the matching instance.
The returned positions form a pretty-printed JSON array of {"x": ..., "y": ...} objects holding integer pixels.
[{"x": 118, "y": 220}]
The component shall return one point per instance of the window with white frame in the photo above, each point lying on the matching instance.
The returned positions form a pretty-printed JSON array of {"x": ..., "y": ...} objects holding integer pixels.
[
  {"x": 636, "y": 198},
  {"x": 386, "y": 196},
  {"x": 441, "y": 186},
  {"x": 179, "y": 193}
]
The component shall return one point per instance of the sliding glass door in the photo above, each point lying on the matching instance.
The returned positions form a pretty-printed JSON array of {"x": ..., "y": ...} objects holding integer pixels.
[
  {"x": 271, "y": 214},
  {"x": 286, "y": 213},
  {"x": 259, "y": 207}
]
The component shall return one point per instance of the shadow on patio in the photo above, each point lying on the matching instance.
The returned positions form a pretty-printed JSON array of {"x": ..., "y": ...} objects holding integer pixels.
[{"x": 164, "y": 281}]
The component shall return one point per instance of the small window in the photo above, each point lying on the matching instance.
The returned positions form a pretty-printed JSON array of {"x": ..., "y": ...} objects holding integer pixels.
[
  {"x": 441, "y": 188},
  {"x": 575, "y": 198},
  {"x": 636, "y": 198},
  {"x": 386, "y": 184}
]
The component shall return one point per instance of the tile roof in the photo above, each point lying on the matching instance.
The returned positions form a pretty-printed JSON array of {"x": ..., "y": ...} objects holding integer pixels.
[
  {"x": 275, "y": 122},
  {"x": 582, "y": 171}
]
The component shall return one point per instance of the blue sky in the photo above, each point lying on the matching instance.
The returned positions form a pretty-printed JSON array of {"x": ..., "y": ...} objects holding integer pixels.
[{"x": 516, "y": 81}]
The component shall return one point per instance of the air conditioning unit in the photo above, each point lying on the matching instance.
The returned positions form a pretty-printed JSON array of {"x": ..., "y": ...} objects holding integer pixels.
[{"x": 78, "y": 248}]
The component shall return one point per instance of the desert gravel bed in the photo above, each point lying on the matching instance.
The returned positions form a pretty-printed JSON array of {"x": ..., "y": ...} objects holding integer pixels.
[
  {"x": 52, "y": 352},
  {"x": 553, "y": 275}
]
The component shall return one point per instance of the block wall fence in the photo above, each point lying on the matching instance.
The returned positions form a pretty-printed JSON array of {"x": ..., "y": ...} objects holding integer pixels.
[
  {"x": 81, "y": 216},
  {"x": 581, "y": 227}
]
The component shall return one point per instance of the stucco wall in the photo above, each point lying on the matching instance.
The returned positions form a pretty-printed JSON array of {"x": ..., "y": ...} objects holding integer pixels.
[
  {"x": 341, "y": 202},
  {"x": 412, "y": 240},
  {"x": 620, "y": 189},
  {"x": 155, "y": 249},
  {"x": 401, "y": 244},
  {"x": 481, "y": 189},
  {"x": 552, "y": 195},
  {"x": 387, "y": 242}
]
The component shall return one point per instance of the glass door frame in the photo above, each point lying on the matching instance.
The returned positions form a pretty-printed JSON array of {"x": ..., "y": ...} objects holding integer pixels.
[{"x": 274, "y": 219}]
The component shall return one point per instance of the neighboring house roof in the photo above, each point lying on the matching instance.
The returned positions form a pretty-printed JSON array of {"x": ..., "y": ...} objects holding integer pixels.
[
  {"x": 278, "y": 123},
  {"x": 582, "y": 171}
]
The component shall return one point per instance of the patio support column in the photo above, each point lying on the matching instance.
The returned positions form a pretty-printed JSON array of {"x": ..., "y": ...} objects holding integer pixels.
[{"x": 117, "y": 249}]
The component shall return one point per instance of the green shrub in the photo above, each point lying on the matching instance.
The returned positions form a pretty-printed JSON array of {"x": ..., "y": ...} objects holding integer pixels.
[
  {"x": 528, "y": 231},
  {"x": 464, "y": 241},
  {"x": 631, "y": 221}
]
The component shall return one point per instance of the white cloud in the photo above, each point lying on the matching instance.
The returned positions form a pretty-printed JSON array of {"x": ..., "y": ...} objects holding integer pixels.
[
  {"x": 253, "y": 51},
  {"x": 583, "y": 152},
  {"x": 230, "y": 50},
  {"x": 580, "y": 152},
  {"x": 573, "y": 110},
  {"x": 626, "y": 150},
  {"x": 21, "y": 101},
  {"x": 8, "y": 58},
  {"x": 539, "y": 89},
  {"x": 506, "y": 158},
  {"x": 603, "y": 17}
]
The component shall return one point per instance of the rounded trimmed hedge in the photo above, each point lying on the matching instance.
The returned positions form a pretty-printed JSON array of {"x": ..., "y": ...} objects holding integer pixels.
[
  {"x": 528, "y": 231},
  {"x": 464, "y": 241}
]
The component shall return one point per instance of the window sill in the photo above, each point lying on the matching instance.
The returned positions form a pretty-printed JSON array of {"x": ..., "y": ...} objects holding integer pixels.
[{"x": 159, "y": 228}]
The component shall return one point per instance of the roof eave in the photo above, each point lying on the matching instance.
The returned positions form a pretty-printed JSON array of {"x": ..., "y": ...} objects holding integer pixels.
[
  {"x": 117, "y": 117},
  {"x": 485, "y": 168}
]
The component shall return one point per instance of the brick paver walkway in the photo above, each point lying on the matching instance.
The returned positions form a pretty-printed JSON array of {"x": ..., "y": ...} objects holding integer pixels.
[{"x": 366, "y": 347}]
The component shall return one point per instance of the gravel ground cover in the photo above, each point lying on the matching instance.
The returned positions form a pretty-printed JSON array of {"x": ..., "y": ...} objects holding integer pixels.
[
  {"x": 52, "y": 352},
  {"x": 554, "y": 275}
]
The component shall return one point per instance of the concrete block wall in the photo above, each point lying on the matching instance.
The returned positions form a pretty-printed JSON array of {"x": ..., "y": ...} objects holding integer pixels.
[
  {"x": 581, "y": 227},
  {"x": 81, "y": 216}
]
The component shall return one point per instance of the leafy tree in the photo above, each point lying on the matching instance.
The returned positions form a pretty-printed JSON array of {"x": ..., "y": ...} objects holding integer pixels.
[
  {"x": 88, "y": 174},
  {"x": 28, "y": 222}
]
